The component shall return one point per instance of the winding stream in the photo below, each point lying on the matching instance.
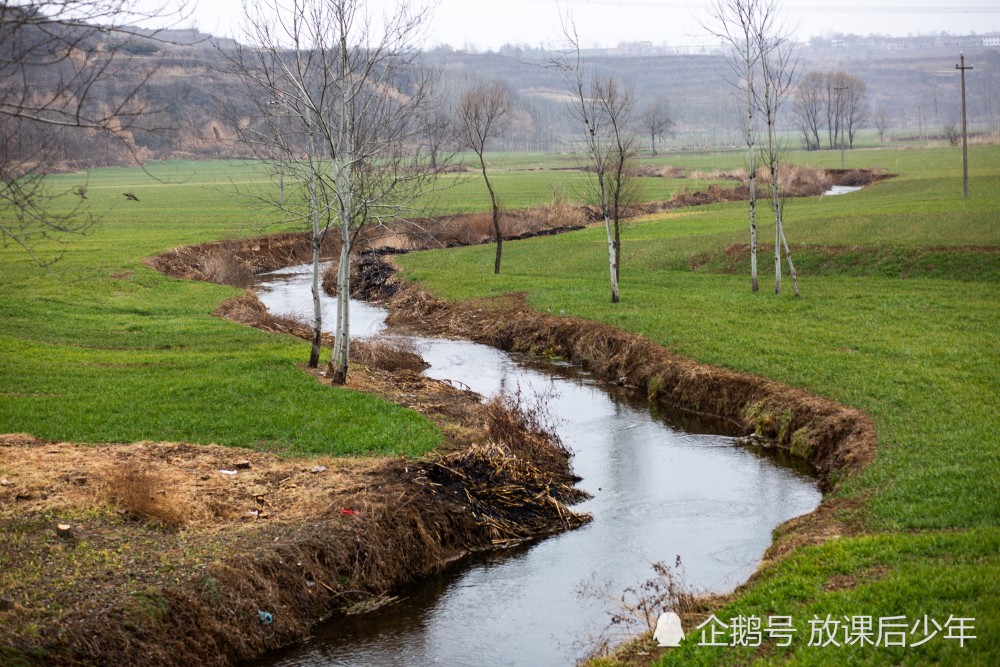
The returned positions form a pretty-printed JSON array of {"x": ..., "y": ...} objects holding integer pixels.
[{"x": 659, "y": 492}]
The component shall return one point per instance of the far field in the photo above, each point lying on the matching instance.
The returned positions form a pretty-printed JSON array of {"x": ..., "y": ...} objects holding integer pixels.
[{"x": 899, "y": 316}]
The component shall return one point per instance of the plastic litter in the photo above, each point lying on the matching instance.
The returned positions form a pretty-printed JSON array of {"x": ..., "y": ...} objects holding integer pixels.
[{"x": 265, "y": 617}]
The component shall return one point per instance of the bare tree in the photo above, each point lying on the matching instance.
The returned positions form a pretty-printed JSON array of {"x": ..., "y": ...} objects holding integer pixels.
[
  {"x": 882, "y": 121},
  {"x": 836, "y": 84},
  {"x": 482, "y": 112},
  {"x": 615, "y": 103},
  {"x": 590, "y": 112},
  {"x": 777, "y": 65},
  {"x": 356, "y": 95},
  {"x": 952, "y": 132},
  {"x": 656, "y": 121},
  {"x": 439, "y": 133},
  {"x": 810, "y": 95},
  {"x": 63, "y": 84},
  {"x": 856, "y": 109},
  {"x": 735, "y": 22}
]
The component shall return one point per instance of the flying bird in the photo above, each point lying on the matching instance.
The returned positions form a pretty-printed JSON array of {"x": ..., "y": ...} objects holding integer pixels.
[{"x": 130, "y": 196}]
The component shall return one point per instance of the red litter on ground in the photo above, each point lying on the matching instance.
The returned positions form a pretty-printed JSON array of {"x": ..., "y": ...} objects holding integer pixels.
[{"x": 347, "y": 512}]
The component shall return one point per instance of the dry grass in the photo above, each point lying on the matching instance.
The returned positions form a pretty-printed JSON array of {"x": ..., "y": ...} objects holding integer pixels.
[
  {"x": 718, "y": 175},
  {"x": 142, "y": 494},
  {"x": 477, "y": 228},
  {"x": 388, "y": 354},
  {"x": 236, "y": 261},
  {"x": 658, "y": 171},
  {"x": 247, "y": 309},
  {"x": 633, "y": 613}
]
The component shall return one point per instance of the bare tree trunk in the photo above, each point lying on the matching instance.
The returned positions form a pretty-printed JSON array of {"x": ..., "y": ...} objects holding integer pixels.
[
  {"x": 342, "y": 339},
  {"x": 752, "y": 168},
  {"x": 778, "y": 234},
  {"x": 317, "y": 244},
  {"x": 736, "y": 22},
  {"x": 342, "y": 185},
  {"x": 791, "y": 267},
  {"x": 496, "y": 219},
  {"x": 618, "y": 250},
  {"x": 612, "y": 246}
]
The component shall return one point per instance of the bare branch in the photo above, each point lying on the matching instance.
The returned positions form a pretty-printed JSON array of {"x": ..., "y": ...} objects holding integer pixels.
[{"x": 66, "y": 88}]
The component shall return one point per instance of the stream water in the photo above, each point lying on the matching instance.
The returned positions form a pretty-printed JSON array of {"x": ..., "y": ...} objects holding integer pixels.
[{"x": 659, "y": 492}]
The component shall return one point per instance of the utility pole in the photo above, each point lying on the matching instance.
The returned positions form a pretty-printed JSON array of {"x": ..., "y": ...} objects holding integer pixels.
[
  {"x": 840, "y": 122},
  {"x": 965, "y": 141}
]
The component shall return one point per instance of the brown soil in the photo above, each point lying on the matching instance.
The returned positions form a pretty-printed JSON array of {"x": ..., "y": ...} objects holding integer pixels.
[
  {"x": 794, "y": 182},
  {"x": 174, "y": 548}
]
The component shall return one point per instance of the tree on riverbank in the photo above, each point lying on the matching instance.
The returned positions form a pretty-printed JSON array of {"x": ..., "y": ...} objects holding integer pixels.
[
  {"x": 734, "y": 24},
  {"x": 604, "y": 109},
  {"x": 351, "y": 98},
  {"x": 482, "y": 113}
]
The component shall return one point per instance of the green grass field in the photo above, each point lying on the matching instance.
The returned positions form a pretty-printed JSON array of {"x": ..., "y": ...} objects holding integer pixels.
[
  {"x": 104, "y": 349},
  {"x": 899, "y": 316}
]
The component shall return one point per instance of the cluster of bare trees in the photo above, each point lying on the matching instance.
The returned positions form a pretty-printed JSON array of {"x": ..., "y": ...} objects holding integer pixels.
[
  {"x": 656, "y": 121},
  {"x": 345, "y": 104},
  {"x": 834, "y": 104},
  {"x": 762, "y": 65},
  {"x": 65, "y": 90}
]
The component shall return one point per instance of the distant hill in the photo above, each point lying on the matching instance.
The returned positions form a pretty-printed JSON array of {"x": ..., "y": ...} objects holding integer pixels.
[{"x": 199, "y": 101}]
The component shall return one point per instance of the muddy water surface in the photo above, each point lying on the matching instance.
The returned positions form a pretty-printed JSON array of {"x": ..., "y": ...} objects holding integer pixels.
[{"x": 659, "y": 492}]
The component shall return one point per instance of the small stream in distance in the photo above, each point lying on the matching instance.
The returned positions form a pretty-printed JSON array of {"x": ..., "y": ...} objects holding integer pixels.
[{"x": 659, "y": 492}]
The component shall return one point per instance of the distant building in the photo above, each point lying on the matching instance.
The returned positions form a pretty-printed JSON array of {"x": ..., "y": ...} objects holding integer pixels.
[{"x": 991, "y": 40}]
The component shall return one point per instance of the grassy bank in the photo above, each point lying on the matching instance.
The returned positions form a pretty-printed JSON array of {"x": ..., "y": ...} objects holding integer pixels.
[
  {"x": 105, "y": 349},
  {"x": 898, "y": 317},
  {"x": 168, "y": 552}
]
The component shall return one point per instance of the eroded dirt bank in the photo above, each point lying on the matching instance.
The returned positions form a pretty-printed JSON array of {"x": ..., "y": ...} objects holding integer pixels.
[
  {"x": 831, "y": 437},
  {"x": 174, "y": 553}
]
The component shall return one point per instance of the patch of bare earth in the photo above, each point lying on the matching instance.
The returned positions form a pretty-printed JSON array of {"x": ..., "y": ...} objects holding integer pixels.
[{"x": 167, "y": 552}]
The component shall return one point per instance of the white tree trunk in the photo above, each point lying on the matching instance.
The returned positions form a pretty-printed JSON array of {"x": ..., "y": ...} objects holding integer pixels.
[
  {"x": 317, "y": 243},
  {"x": 612, "y": 255},
  {"x": 342, "y": 338},
  {"x": 777, "y": 236},
  {"x": 791, "y": 267}
]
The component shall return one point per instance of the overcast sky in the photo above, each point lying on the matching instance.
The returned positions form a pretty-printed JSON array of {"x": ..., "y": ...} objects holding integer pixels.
[{"x": 489, "y": 24}]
